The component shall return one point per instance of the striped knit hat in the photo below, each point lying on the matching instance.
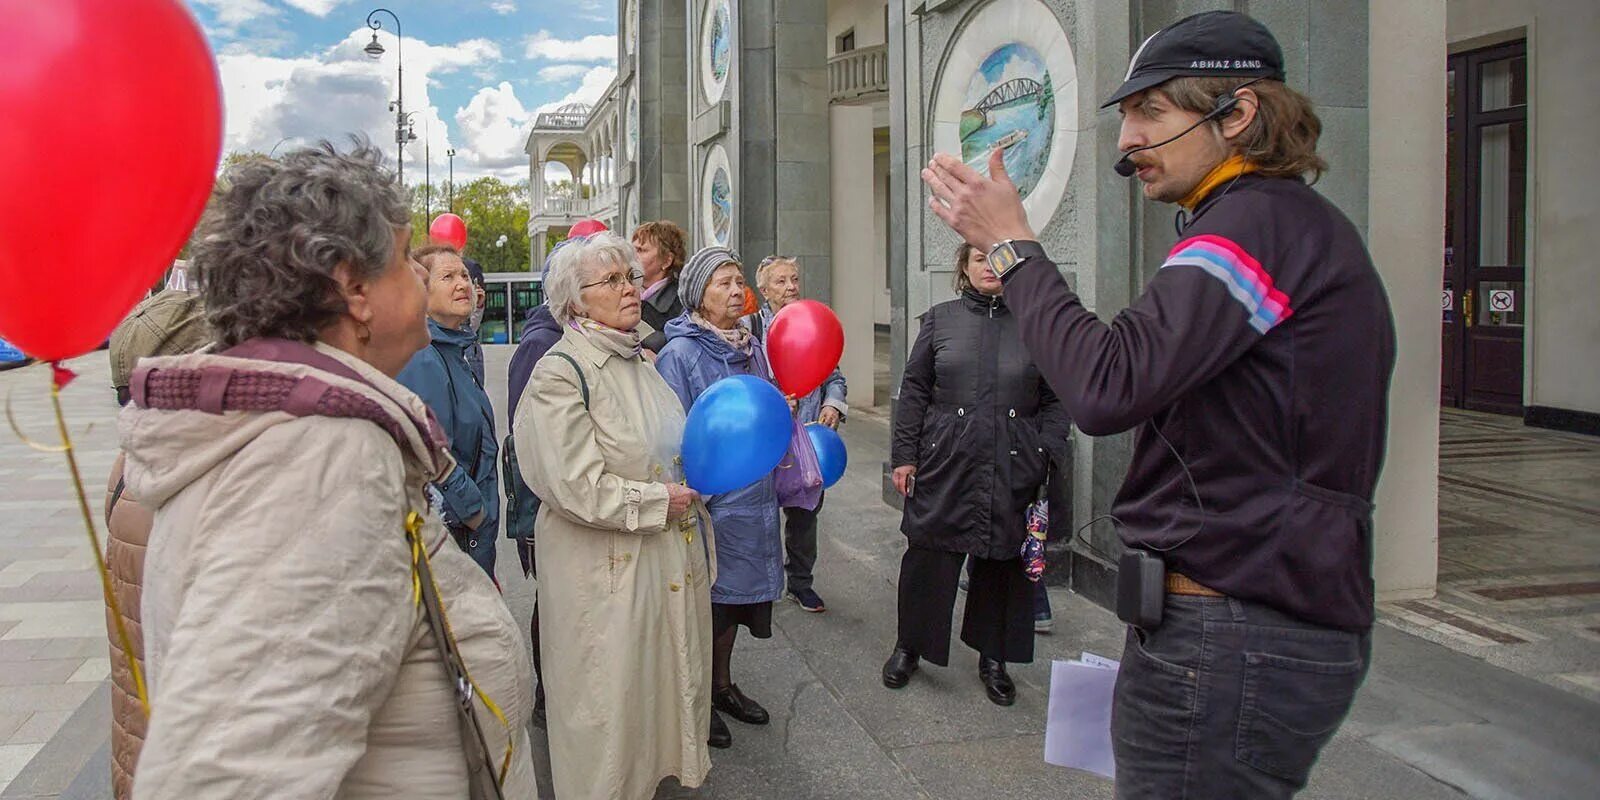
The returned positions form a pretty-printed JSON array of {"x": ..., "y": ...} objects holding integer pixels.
[{"x": 697, "y": 273}]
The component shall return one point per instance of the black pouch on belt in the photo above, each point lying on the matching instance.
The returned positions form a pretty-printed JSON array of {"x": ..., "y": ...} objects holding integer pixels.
[{"x": 1141, "y": 588}]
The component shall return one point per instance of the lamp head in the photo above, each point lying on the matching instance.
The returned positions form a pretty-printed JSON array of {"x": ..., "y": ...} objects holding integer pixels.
[{"x": 374, "y": 48}]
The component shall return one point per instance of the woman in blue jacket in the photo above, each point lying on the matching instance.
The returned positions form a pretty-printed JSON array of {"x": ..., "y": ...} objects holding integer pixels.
[
  {"x": 469, "y": 498},
  {"x": 704, "y": 345}
]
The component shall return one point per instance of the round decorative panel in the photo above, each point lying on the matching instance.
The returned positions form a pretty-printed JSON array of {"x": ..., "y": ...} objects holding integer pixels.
[
  {"x": 716, "y": 197},
  {"x": 631, "y": 137},
  {"x": 632, "y": 21},
  {"x": 1010, "y": 82},
  {"x": 716, "y": 49}
]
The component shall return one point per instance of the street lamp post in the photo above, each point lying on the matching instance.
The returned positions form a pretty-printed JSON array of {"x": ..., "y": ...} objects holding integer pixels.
[
  {"x": 427, "y": 169},
  {"x": 452, "y": 154},
  {"x": 402, "y": 133}
]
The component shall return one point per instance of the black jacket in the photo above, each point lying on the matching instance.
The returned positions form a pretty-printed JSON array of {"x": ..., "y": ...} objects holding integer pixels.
[
  {"x": 981, "y": 426},
  {"x": 658, "y": 310},
  {"x": 1257, "y": 361}
]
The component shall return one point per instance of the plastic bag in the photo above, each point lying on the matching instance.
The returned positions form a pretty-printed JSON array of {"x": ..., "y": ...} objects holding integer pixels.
[{"x": 799, "y": 475}]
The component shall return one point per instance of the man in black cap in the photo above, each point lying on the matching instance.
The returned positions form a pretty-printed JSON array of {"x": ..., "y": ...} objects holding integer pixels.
[{"x": 1255, "y": 368}]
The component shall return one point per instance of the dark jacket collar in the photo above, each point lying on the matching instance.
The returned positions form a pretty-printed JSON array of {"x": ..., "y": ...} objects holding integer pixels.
[
  {"x": 980, "y": 303},
  {"x": 449, "y": 337}
]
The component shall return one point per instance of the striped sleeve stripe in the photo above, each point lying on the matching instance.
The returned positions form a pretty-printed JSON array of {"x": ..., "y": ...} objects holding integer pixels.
[{"x": 1239, "y": 272}]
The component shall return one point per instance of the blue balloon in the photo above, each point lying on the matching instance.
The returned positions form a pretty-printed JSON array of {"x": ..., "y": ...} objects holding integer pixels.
[
  {"x": 831, "y": 455},
  {"x": 738, "y": 431}
]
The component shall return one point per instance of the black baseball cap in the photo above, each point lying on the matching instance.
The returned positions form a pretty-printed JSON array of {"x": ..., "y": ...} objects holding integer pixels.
[{"x": 1213, "y": 44}]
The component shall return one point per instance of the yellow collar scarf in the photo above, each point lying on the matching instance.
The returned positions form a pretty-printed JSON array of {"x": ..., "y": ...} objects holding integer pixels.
[{"x": 1233, "y": 167}]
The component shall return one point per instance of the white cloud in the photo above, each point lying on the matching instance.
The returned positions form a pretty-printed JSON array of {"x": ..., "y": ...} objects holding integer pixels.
[
  {"x": 589, "y": 90},
  {"x": 556, "y": 73},
  {"x": 494, "y": 127},
  {"x": 233, "y": 13},
  {"x": 503, "y": 7},
  {"x": 595, "y": 47},
  {"x": 319, "y": 8},
  {"x": 273, "y": 103}
]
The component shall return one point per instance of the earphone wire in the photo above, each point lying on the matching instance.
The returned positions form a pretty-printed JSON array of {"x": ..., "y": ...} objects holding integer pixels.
[{"x": 1194, "y": 488}]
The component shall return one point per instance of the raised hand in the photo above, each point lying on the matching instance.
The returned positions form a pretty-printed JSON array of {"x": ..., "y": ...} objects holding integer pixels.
[{"x": 984, "y": 211}]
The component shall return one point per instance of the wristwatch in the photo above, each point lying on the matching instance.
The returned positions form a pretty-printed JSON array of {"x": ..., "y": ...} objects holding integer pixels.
[{"x": 1006, "y": 255}]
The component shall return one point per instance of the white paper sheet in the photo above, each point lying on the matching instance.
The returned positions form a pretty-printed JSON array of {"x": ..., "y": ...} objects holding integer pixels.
[{"x": 1078, "y": 728}]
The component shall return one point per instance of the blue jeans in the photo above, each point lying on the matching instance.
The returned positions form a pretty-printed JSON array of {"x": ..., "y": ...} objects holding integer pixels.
[{"x": 1229, "y": 699}]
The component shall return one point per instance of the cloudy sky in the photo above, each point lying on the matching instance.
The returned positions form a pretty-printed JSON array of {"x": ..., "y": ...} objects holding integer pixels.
[{"x": 476, "y": 72}]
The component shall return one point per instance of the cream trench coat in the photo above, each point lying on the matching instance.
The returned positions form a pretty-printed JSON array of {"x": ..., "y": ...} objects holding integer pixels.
[{"x": 624, "y": 593}]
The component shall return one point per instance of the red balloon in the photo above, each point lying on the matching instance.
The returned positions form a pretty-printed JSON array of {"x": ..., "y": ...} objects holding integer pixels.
[
  {"x": 804, "y": 343},
  {"x": 449, "y": 229},
  {"x": 113, "y": 126},
  {"x": 586, "y": 227}
]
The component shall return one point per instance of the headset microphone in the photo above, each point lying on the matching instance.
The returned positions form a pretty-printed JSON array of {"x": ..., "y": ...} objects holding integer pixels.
[{"x": 1224, "y": 106}]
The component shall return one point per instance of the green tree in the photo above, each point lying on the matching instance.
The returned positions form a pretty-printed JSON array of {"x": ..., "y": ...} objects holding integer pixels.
[{"x": 492, "y": 209}]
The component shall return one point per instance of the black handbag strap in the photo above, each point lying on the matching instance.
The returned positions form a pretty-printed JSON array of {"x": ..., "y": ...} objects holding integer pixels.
[{"x": 583, "y": 383}]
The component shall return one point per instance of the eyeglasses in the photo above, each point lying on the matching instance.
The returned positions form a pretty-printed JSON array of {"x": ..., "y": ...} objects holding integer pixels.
[
  {"x": 774, "y": 260},
  {"x": 617, "y": 281}
]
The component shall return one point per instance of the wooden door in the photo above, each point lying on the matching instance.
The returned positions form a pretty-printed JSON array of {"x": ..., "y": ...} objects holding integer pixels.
[{"x": 1484, "y": 302}]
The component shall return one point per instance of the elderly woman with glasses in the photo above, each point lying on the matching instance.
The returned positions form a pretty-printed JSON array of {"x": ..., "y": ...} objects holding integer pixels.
[
  {"x": 705, "y": 345},
  {"x": 625, "y": 620}
]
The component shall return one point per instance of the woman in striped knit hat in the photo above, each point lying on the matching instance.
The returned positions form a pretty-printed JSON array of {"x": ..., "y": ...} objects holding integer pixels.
[{"x": 704, "y": 345}]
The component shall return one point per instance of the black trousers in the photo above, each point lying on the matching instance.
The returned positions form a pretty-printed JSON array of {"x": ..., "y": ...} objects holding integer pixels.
[
  {"x": 998, "y": 622},
  {"x": 800, "y": 545}
]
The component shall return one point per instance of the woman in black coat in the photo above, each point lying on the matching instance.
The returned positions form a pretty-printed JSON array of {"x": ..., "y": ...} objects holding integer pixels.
[
  {"x": 975, "y": 432},
  {"x": 662, "y": 251}
]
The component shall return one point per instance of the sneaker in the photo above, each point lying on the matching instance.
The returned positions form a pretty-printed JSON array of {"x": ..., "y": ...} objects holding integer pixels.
[
  {"x": 808, "y": 600},
  {"x": 1043, "y": 622}
]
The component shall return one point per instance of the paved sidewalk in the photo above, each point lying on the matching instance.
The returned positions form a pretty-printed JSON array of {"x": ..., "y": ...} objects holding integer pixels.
[
  {"x": 1519, "y": 551},
  {"x": 53, "y": 653},
  {"x": 1430, "y": 723}
]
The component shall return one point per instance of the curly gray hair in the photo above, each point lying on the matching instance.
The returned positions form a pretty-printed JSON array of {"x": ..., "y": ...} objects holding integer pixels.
[
  {"x": 277, "y": 230},
  {"x": 576, "y": 263}
]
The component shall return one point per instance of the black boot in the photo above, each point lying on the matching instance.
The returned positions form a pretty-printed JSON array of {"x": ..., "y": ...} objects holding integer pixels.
[
  {"x": 996, "y": 683},
  {"x": 720, "y": 738},
  {"x": 732, "y": 702},
  {"x": 897, "y": 670}
]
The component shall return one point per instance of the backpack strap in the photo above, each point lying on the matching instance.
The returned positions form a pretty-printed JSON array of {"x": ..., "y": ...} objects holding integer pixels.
[{"x": 583, "y": 383}]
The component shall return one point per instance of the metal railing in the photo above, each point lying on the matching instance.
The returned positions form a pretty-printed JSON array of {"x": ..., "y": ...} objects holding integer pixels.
[{"x": 856, "y": 73}]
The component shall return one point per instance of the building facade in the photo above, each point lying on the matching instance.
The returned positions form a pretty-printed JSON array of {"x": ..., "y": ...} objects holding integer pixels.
[{"x": 799, "y": 128}]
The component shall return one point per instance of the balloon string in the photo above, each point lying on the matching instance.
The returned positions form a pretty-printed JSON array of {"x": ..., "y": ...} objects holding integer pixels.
[{"x": 56, "y": 383}]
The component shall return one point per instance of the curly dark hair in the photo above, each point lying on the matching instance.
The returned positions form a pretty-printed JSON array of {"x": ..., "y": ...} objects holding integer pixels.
[{"x": 276, "y": 231}]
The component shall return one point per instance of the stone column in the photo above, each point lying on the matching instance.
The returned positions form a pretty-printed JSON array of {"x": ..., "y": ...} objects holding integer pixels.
[
  {"x": 855, "y": 272},
  {"x": 800, "y": 93},
  {"x": 1406, "y": 200},
  {"x": 660, "y": 74}
]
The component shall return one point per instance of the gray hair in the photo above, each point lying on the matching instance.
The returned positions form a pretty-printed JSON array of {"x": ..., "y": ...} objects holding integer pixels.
[
  {"x": 277, "y": 230},
  {"x": 575, "y": 263}
]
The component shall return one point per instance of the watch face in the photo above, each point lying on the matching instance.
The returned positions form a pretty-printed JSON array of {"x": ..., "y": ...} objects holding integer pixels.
[{"x": 1002, "y": 259}]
